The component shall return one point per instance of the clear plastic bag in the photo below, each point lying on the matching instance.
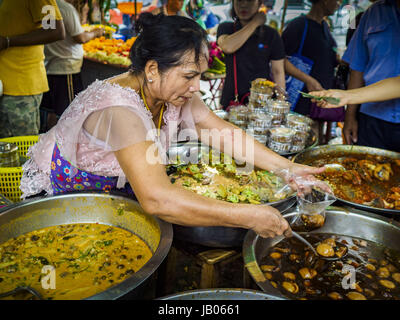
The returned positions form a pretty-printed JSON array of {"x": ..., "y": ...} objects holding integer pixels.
[
  {"x": 313, "y": 197},
  {"x": 311, "y": 210}
]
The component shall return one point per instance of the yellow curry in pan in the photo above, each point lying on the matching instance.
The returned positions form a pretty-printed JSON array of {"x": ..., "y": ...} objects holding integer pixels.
[{"x": 87, "y": 259}]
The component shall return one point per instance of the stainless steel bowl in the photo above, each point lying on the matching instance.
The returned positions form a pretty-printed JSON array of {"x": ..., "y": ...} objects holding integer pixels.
[
  {"x": 32, "y": 215},
  {"x": 221, "y": 294},
  {"x": 340, "y": 221},
  {"x": 310, "y": 155},
  {"x": 218, "y": 237}
]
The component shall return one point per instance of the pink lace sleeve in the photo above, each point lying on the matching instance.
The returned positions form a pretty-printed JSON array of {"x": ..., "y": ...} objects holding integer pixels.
[
  {"x": 116, "y": 128},
  {"x": 36, "y": 171}
]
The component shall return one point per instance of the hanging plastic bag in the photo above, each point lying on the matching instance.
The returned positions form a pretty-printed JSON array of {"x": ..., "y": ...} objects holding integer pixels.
[
  {"x": 313, "y": 197},
  {"x": 310, "y": 210}
]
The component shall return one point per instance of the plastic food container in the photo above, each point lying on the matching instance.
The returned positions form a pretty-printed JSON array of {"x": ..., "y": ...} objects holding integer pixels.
[
  {"x": 259, "y": 96},
  {"x": 263, "y": 86},
  {"x": 238, "y": 113},
  {"x": 256, "y": 104},
  {"x": 279, "y": 147},
  {"x": 299, "y": 138},
  {"x": 240, "y": 124},
  {"x": 278, "y": 106},
  {"x": 296, "y": 148},
  {"x": 259, "y": 118},
  {"x": 278, "y": 119},
  {"x": 281, "y": 134},
  {"x": 261, "y": 138},
  {"x": 297, "y": 122},
  {"x": 260, "y": 130},
  {"x": 307, "y": 120}
]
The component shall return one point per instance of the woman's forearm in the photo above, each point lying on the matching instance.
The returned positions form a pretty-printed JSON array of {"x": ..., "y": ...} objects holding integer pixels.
[
  {"x": 184, "y": 207},
  {"x": 231, "y": 43},
  {"x": 235, "y": 142},
  {"x": 278, "y": 73}
]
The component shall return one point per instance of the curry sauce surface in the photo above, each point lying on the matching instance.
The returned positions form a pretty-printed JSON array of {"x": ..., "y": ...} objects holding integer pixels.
[{"x": 88, "y": 258}]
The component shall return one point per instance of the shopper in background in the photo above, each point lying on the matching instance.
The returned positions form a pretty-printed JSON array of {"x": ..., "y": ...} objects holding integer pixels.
[
  {"x": 23, "y": 32},
  {"x": 373, "y": 55},
  {"x": 258, "y": 49},
  {"x": 63, "y": 62},
  {"x": 171, "y": 8},
  {"x": 319, "y": 46}
]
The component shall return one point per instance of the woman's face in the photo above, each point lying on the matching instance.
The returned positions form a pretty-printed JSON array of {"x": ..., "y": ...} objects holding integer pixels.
[
  {"x": 178, "y": 84},
  {"x": 246, "y": 9},
  {"x": 331, "y": 6},
  {"x": 175, "y": 5}
]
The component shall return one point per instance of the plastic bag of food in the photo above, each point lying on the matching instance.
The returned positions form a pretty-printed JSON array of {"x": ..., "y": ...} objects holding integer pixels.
[
  {"x": 310, "y": 210},
  {"x": 313, "y": 197}
]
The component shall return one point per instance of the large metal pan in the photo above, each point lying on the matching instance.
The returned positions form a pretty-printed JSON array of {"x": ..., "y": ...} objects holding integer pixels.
[
  {"x": 340, "y": 221},
  {"x": 221, "y": 294},
  {"x": 219, "y": 237},
  {"x": 320, "y": 152},
  {"x": 31, "y": 215}
]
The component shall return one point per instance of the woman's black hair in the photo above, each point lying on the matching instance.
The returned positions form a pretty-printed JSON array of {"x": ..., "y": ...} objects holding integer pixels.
[{"x": 165, "y": 39}]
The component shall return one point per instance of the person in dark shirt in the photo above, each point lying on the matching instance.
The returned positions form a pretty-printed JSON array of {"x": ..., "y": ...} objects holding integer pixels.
[
  {"x": 319, "y": 45},
  {"x": 258, "y": 48}
]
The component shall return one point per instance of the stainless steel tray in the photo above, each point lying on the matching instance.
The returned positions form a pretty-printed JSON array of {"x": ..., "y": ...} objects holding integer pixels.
[
  {"x": 308, "y": 156},
  {"x": 340, "y": 221}
]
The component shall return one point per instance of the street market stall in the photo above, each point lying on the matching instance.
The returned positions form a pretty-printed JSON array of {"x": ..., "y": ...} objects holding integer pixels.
[{"x": 105, "y": 246}]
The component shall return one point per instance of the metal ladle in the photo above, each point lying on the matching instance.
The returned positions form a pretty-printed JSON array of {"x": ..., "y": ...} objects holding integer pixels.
[
  {"x": 19, "y": 289},
  {"x": 334, "y": 258}
]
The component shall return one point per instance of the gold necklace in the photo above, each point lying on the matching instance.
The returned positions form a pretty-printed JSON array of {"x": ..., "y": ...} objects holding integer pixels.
[{"x": 161, "y": 113}]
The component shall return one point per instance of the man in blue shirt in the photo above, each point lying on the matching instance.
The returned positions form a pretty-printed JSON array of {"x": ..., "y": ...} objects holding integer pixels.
[{"x": 373, "y": 55}]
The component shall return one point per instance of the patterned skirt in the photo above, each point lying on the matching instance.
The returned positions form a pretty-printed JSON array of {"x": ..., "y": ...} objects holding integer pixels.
[{"x": 65, "y": 177}]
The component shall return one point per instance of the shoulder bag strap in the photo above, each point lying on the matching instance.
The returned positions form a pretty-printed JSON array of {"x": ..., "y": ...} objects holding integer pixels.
[
  {"x": 234, "y": 69},
  {"x": 303, "y": 37}
]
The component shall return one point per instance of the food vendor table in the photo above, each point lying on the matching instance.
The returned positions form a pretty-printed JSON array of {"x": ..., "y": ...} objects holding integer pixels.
[
  {"x": 216, "y": 83},
  {"x": 93, "y": 69}
]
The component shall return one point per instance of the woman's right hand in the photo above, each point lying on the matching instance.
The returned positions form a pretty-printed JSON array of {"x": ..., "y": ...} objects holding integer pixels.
[
  {"x": 259, "y": 18},
  {"x": 267, "y": 222}
]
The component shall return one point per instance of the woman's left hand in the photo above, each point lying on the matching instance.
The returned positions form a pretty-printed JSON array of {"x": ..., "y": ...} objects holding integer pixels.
[{"x": 302, "y": 178}]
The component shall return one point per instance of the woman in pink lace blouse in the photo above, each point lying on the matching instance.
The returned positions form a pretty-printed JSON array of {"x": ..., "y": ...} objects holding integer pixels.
[{"x": 118, "y": 131}]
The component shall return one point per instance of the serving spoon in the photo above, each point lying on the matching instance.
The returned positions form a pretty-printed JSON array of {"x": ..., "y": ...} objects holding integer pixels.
[
  {"x": 334, "y": 258},
  {"x": 19, "y": 289},
  {"x": 334, "y": 167}
]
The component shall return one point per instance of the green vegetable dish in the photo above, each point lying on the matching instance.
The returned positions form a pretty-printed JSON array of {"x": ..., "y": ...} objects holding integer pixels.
[{"x": 224, "y": 180}]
